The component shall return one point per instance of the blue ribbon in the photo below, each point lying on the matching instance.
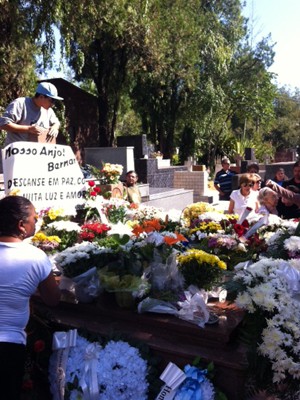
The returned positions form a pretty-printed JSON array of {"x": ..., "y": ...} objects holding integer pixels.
[{"x": 191, "y": 387}]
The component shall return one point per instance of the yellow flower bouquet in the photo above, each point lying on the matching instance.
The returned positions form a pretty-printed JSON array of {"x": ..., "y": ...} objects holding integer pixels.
[
  {"x": 192, "y": 211},
  {"x": 200, "y": 268},
  {"x": 108, "y": 174}
]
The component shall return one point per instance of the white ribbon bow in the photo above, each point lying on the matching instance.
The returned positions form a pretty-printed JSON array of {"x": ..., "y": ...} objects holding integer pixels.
[{"x": 89, "y": 380}]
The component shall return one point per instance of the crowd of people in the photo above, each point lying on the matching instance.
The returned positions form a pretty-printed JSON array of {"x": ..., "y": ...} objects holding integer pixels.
[{"x": 279, "y": 196}]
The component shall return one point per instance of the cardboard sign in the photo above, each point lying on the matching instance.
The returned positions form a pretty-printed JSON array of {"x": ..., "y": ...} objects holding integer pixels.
[{"x": 48, "y": 175}]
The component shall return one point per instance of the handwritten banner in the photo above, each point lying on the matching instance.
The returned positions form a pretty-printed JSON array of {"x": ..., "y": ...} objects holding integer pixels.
[{"x": 48, "y": 175}]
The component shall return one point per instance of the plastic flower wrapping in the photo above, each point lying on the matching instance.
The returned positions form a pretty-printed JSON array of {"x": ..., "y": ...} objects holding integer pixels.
[
  {"x": 271, "y": 288},
  {"x": 192, "y": 308},
  {"x": 79, "y": 369}
]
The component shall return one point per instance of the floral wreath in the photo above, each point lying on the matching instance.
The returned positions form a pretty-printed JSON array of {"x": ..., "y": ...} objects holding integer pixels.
[{"x": 116, "y": 371}]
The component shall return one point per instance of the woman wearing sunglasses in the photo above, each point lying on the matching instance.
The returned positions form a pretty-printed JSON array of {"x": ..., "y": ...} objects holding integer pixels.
[{"x": 243, "y": 197}]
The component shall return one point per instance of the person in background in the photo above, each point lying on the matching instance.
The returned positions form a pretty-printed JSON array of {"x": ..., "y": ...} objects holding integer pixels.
[
  {"x": 268, "y": 200},
  {"x": 244, "y": 197},
  {"x": 295, "y": 181},
  {"x": 223, "y": 180},
  {"x": 280, "y": 177},
  {"x": 253, "y": 168},
  {"x": 131, "y": 190},
  {"x": 23, "y": 269},
  {"x": 28, "y": 117},
  {"x": 287, "y": 209},
  {"x": 284, "y": 193}
]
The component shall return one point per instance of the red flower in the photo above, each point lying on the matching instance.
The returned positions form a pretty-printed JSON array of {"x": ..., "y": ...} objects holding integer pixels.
[
  {"x": 39, "y": 346},
  {"x": 93, "y": 193},
  {"x": 89, "y": 231},
  {"x": 245, "y": 223},
  {"x": 239, "y": 229},
  {"x": 97, "y": 189},
  {"x": 91, "y": 183},
  {"x": 87, "y": 236}
]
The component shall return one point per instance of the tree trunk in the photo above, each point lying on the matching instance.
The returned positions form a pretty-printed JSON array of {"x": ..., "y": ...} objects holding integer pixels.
[{"x": 104, "y": 132}]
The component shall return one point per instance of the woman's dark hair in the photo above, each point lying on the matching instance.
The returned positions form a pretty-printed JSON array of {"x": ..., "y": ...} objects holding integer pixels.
[{"x": 12, "y": 210}]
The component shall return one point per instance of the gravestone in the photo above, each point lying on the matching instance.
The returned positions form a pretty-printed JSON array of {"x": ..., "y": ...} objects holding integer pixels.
[
  {"x": 138, "y": 142},
  {"x": 96, "y": 156},
  {"x": 249, "y": 154}
]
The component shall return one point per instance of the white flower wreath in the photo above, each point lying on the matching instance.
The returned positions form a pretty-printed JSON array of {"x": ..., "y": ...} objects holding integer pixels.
[{"x": 121, "y": 372}]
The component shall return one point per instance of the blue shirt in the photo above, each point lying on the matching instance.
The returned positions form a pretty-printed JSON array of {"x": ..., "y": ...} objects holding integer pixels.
[{"x": 224, "y": 180}]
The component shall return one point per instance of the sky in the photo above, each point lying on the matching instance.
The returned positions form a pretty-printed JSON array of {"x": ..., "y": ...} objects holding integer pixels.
[{"x": 280, "y": 18}]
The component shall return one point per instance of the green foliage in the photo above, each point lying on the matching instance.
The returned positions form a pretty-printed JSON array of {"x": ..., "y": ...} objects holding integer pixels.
[
  {"x": 285, "y": 130},
  {"x": 17, "y": 52},
  {"x": 168, "y": 69},
  {"x": 116, "y": 214}
]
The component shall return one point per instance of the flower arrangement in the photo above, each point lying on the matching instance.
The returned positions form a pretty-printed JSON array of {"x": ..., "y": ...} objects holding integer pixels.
[
  {"x": 116, "y": 210},
  {"x": 155, "y": 237},
  {"x": 137, "y": 286},
  {"x": 146, "y": 212},
  {"x": 93, "y": 200},
  {"x": 93, "y": 231},
  {"x": 67, "y": 231},
  {"x": 200, "y": 268},
  {"x": 266, "y": 293},
  {"x": 48, "y": 244},
  {"x": 156, "y": 154},
  {"x": 222, "y": 235},
  {"x": 118, "y": 370},
  {"x": 196, "y": 384},
  {"x": 51, "y": 214},
  {"x": 81, "y": 257},
  {"x": 93, "y": 190},
  {"x": 108, "y": 174},
  {"x": 192, "y": 211},
  {"x": 282, "y": 243}
]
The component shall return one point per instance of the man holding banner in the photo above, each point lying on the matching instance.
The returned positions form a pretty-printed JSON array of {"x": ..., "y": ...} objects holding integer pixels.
[{"x": 26, "y": 118}]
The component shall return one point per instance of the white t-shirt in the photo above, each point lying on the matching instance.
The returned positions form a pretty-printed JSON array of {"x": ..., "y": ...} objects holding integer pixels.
[
  {"x": 242, "y": 202},
  {"x": 22, "y": 268}
]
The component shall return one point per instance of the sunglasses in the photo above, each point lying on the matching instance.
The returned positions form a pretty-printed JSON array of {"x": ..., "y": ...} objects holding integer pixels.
[{"x": 247, "y": 184}]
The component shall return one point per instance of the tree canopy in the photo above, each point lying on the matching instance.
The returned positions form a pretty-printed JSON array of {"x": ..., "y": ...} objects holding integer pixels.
[{"x": 185, "y": 70}]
